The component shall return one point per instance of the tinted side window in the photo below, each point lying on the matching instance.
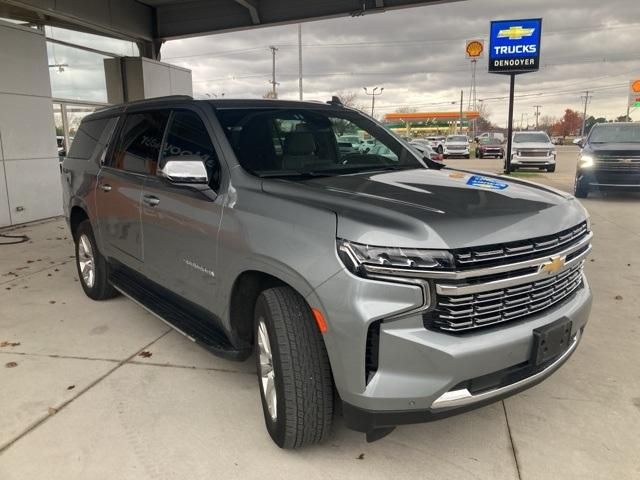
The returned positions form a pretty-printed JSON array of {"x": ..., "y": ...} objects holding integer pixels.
[
  {"x": 87, "y": 138},
  {"x": 188, "y": 135},
  {"x": 138, "y": 146}
]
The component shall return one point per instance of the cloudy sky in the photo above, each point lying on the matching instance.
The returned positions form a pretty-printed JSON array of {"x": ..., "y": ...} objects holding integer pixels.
[{"x": 417, "y": 55}]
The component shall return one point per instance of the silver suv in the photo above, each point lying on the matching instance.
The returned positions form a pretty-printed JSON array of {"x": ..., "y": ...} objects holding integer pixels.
[
  {"x": 532, "y": 150},
  {"x": 399, "y": 289}
]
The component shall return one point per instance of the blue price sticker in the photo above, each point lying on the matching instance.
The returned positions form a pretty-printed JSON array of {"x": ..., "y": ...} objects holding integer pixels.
[{"x": 486, "y": 183}]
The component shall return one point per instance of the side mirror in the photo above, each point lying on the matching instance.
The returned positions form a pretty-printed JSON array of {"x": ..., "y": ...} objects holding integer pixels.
[{"x": 184, "y": 169}]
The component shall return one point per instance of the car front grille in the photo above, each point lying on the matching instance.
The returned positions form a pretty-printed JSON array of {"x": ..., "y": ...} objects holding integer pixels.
[
  {"x": 461, "y": 313},
  {"x": 508, "y": 252},
  {"x": 631, "y": 164},
  {"x": 533, "y": 153}
]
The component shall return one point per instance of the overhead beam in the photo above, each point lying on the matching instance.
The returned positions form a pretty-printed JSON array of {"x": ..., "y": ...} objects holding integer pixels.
[
  {"x": 252, "y": 6},
  {"x": 126, "y": 19},
  {"x": 203, "y": 17}
]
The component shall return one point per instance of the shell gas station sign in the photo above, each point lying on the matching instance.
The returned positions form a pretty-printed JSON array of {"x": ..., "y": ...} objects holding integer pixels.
[{"x": 634, "y": 93}]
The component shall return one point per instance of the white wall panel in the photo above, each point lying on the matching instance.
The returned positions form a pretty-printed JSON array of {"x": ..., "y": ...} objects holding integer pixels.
[{"x": 35, "y": 189}]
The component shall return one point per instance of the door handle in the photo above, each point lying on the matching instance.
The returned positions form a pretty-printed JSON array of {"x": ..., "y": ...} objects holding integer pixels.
[
  {"x": 105, "y": 187},
  {"x": 151, "y": 200}
]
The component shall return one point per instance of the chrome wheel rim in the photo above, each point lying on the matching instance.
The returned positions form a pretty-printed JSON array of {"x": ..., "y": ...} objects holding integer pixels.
[
  {"x": 86, "y": 261},
  {"x": 267, "y": 374}
]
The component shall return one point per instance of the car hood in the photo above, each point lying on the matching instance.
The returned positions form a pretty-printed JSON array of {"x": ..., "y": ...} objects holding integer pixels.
[
  {"x": 614, "y": 149},
  {"x": 456, "y": 144},
  {"x": 434, "y": 208},
  {"x": 525, "y": 145}
]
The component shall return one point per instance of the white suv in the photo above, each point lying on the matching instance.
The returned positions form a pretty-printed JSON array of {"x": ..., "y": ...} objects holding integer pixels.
[
  {"x": 456, "y": 146},
  {"x": 533, "y": 150}
]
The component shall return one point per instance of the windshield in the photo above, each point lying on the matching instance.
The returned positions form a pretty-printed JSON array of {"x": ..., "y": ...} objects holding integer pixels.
[
  {"x": 273, "y": 142},
  {"x": 490, "y": 141},
  {"x": 537, "y": 137},
  {"x": 628, "y": 133},
  {"x": 457, "y": 139}
]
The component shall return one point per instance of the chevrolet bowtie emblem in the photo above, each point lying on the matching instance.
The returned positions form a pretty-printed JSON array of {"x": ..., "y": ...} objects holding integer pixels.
[
  {"x": 553, "y": 266},
  {"x": 516, "y": 32}
]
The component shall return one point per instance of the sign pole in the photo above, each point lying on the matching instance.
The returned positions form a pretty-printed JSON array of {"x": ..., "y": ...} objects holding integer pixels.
[{"x": 507, "y": 158}]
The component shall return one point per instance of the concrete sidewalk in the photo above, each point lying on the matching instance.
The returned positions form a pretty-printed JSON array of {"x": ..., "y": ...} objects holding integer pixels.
[{"x": 103, "y": 390}]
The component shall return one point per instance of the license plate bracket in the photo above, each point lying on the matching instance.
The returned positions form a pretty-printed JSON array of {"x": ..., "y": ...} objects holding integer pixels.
[{"x": 550, "y": 341}]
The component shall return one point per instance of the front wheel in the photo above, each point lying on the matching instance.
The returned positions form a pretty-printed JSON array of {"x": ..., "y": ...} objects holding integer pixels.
[
  {"x": 552, "y": 168},
  {"x": 294, "y": 374},
  {"x": 93, "y": 269},
  {"x": 580, "y": 188}
]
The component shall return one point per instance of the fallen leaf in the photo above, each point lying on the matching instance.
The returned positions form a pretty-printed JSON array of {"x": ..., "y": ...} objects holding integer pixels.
[
  {"x": 52, "y": 411},
  {"x": 52, "y": 302},
  {"x": 360, "y": 457},
  {"x": 145, "y": 354},
  {"x": 11, "y": 364},
  {"x": 4, "y": 343},
  {"x": 618, "y": 297},
  {"x": 71, "y": 387}
]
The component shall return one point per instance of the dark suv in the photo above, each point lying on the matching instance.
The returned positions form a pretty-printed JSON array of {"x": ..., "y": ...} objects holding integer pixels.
[
  {"x": 610, "y": 158},
  {"x": 404, "y": 290}
]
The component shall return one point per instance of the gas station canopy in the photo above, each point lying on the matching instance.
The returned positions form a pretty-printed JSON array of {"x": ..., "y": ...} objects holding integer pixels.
[{"x": 426, "y": 116}]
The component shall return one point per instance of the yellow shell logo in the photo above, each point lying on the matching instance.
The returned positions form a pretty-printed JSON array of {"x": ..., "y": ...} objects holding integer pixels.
[
  {"x": 474, "y": 49},
  {"x": 635, "y": 86}
]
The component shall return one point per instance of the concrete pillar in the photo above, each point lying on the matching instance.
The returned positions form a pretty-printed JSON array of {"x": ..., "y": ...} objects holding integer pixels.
[
  {"x": 137, "y": 78},
  {"x": 30, "y": 187}
]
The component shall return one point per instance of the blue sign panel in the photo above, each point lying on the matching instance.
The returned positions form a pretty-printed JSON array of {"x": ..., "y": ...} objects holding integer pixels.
[{"x": 514, "y": 46}]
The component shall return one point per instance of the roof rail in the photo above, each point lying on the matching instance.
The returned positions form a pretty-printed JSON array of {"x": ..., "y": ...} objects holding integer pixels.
[{"x": 157, "y": 99}]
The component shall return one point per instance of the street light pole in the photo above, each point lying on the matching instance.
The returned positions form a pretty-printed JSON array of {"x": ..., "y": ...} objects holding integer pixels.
[
  {"x": 373, "y": 96},
  {"x": 273, "y": 72}
]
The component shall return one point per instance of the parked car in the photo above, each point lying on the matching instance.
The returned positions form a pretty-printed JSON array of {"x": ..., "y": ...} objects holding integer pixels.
[
  {"x": 497, "y": 135},
  {"x": 354, "y": 140},
  {"x": 387, "y": 283},
  {"x": 456, "y": 146},
  {"x": 437, "y": 143},
  {"x": 426, "y": 150},
  {"x": 557, "y": 140},
  {"x": 610, "y": 158},
  {"x": 489, "y": 147},
  {"x": 532, "y": 150}
]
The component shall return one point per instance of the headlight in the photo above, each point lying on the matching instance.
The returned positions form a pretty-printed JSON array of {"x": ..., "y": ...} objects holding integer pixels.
[
  {"x": 360, "y": 258},
  {"x": 586, "y": 161}
]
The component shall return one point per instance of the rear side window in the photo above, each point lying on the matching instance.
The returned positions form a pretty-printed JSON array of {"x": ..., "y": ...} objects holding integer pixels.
[
  {"x": 88, "y": 137},
  {"x": 187, "y": 135},
  {"x": 138, "y": 146}
]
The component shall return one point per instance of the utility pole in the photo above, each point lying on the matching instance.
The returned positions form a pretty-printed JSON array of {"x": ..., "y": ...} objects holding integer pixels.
[
  {"x": 584, "y": 113},
  {"x": 300, "y": 60},
  {"x": 273, "y": 71},
  {"x": 537, "y": 107},
  {"x": 373, "y": 96},
  {"x": 461, "y": 102}
]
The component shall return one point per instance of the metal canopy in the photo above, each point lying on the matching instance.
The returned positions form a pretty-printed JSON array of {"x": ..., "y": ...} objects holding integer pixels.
[{"x": 152, "y": 21}]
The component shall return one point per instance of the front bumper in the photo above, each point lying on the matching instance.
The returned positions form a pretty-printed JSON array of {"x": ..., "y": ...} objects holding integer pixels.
[
  {"x": 456, "y": 152},
  {"x": 524, "y": 161},
  {"x": 420, "y": 371},
  {"x": 596, "y": 178}
]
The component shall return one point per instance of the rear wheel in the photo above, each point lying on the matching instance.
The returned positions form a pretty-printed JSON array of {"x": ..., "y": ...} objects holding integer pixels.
[
  {"x": 439, "y": 149},
  {"x": 293, "y": 370},
  {"x": 93, "y": 269}
]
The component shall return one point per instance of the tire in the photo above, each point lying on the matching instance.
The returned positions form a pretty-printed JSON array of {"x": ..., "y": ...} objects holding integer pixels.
[
  {"x": 478, "y": 154},
  {"x": 551, "y": 169},
  {"x": 467, "y": 156},
  {"x": 580, "y": 189},
  {"x": 299, "y": 364},
  {"x": 95, "y": 285},
  {"x": 439, "y": 149}
]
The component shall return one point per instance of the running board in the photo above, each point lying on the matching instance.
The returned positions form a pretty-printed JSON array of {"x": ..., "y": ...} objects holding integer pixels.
[{"x": 195, "y": 327}]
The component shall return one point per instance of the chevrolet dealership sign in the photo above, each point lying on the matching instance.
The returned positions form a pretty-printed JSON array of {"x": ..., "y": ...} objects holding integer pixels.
[{"x": 514, "y": 46}]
